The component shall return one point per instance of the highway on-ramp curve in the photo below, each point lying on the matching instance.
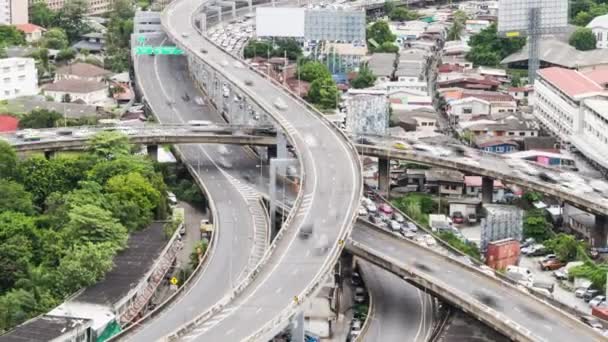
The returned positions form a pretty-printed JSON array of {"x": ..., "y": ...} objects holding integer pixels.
[
  {"x": 329, "y": 196},
  {"x": 543, "y": 322},
  {"x": 166, "y": 80}
]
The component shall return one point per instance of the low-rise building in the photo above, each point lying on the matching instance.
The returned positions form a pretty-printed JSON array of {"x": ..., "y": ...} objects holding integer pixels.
[
  {"x": 473, "y": 188},
  {"x": 496, "y": 145},
  {"x": 465, "y": 105},
  {"x": 83, "y": 72},
  {"x": 411, "y": 66},
  {"x": 599, "y": 27},
  {"x": 75, "y": 90},
  {"x": 52, "y": 328},
  {"x": 382, "y": 66},
  {"x": 475, "y": 26},
  {"x": 33, "y": 33},
  {"x": 93, "y": 42},
  {"x": 421, "y": 119},
  {"x": 18, "y": 77},
  {"x": 444, "y": 182},
  {"x": 522, "y": 94}
]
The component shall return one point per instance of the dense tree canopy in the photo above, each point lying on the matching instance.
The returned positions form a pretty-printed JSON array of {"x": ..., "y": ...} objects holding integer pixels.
[
  {"x": 40, "y": 118},
  {"x": 313, "y": 70},
  {"x": 118, "y": 36},
  {"x": 487, "y": 48},
  {"x": 63, "y": 219},
  {"x": 380, "y": 33},
  {"x": 536, "y": 225},
  {"x": 324, "y": 93},
  {"x": 265, "y": 49},
  {"x": 365, "y": 78},
  {"x": 55, "y": 38},
  {"x": 583, "y": 39},
  {"x": 10, "y": 36}
]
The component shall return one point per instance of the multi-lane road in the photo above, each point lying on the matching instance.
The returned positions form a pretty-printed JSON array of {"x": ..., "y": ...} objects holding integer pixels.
[{"x": 505, "y": 304}]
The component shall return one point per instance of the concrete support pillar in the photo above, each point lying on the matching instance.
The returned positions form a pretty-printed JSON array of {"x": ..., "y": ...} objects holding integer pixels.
[
  {"x": 152, "y": 152},
  {"x": 275, "y": 166},
  {"x": 49, "y": 154},
  {"x": 271, "y": 152},
  {"x": 599, "y": 234},
  {"x": 297, "y": 327},
  {"x": 487, "y": 189},
  {"x": 384, "y": 176}
]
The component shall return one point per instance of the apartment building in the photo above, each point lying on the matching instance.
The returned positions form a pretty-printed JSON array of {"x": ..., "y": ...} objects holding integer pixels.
[
  {"x": 95, "y": 6},
  {"x": 18, "y": 77},
  {"x": 13, "y": 12}
]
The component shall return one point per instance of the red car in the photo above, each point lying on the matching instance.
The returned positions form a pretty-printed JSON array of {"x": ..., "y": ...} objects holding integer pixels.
[{"x": 457, "y": 217}]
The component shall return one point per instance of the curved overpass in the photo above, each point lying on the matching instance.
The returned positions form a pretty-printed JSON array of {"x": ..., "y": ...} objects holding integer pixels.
[
  {"x": 497, "y": 167},
  {"x": 264, "y": 303},
  {"x": 504, "y": 307}
]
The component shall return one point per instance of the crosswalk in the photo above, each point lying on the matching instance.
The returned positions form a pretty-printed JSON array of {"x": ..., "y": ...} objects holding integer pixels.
[
  {"x": 305, "y": 205},
  {"x": 208, "y": 324}
]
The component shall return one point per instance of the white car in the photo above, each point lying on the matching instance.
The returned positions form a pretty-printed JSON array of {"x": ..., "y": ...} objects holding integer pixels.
[
  {"x": 597, "y": 301},
  {"x": 280, "y": 104},
  {"x": 395, "y": 226},
  {"x": 362, "y": 211},
  {"x": 429, "y": 240},
  {"x": 371, "y": 207},
  {"x": 580, "y": 292}
]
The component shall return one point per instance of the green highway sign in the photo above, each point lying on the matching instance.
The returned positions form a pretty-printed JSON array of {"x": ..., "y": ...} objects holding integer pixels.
[{"x": 158, "y": 50}]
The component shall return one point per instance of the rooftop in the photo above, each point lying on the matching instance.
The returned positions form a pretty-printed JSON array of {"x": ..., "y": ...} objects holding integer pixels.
[
  {"x": 382, "y": 64},
  {"x": 130, "y": 266},
  {"x": 8, "y": 123},
  {"x": 83, "y": 70},
  {"x": 29, "y": 28},
  {"x": 571, "y": 82},
  {"x": 44, "y": 328},
  {"x": 444, "y": 175},
  {"x": 600, "y": 21},
  {"x": 560, "y": 53},
  {"x": 74, "y": 86},
  {"x": 598, "y": 106}
]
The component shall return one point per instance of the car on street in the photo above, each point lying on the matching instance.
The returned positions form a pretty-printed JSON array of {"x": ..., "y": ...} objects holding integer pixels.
[
  {"x": 590, "y": 294},
  {"x": 561, "y": 274},
  {"x": 597, "y": 300},
  {"x": 408, "y": 233},
  {"x": 371, "y": 207},
  {"x": 306, "y": 231},
  {"x": 580, "y": 292},
  {"x": 401, "y": 145}
]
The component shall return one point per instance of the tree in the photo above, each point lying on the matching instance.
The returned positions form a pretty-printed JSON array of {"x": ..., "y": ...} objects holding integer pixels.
[
  {"x": 123, "y": 164},
  {"x": 403, "y": 14},
  {"x": 55, "y": 38},
  {"x": 89, "y": 223},
  {"x": 515, "y": 80},
  {"x": 15, "y": 198},
  {"x": 83, "y": 266},
  {"x": 460, "y": 17},
  {"x": 311, "y": 71},
  {"x": 65, "y": 55},
  {"x": 487, "y": 48},
  {"x": 16, "y": 306},
  {"x": 118, "y": 37},
  {"x": 594, "y": 272},
  {"x": 40, "y": 118},
  {"x": 577, "y": 6},
  {"x": 123, "y": 9},
  {"x": 133, "y": 199},
  {"x": 41, "y": 15},
  {"x": 380, "y": 33},
  {"x": 110, "y": 145},
  {"x": 9, "y": 36},
  {"x": 365, "y": 78},
  {"x": 71, "y": 19},
  {"x": 583, "y": 39},
  {"x": 565, "y": 247},
  {"x": 324, "y": 93},
  {"x": 455, "y": 31},
  {"x": 289, "y": 47},
  {"x": 387, "y": 47},
  {"x": 258, "y": 48},
  {"x": 536, "y": 226},
  {"x": 8, "y": 160},
  {"x": 582, "y": 19}
]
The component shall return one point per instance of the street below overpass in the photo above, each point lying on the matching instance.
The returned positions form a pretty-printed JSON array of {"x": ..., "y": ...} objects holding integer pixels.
[{"x": 502, "y": 302}]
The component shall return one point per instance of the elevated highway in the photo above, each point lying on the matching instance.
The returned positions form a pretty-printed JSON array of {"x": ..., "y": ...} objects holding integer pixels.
[
  {"x": 263, "y": 305},
  {"x": 77, "y": 139},
  {"x": 502, "y": 306}
]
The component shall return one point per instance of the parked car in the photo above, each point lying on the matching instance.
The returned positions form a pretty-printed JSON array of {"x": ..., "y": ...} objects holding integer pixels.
[
  {"x": 306, "y": 231},
  {"x": 362, "y": 211},
  {"x": 371, "y": 207},
  {"x": 590, "y": 294},
  {"x": 398, "y": 217},
  {"x": 359, "y": 295},
  {"x": 395, "y": 226},
  {"x": 592, "y": 321},
  {"x": 408, "y": 233},
  {"x": 528, "y": 242},
  {"x": 457, "y": 217},
  {"x": 472, "y": 218},
  {"x": 561, "y": 274},
  {"x": 580, "y": 292},
  {"x": 429, "y": 240},
  {"x": 551, "y": 264},
  {"x": 597, "y": 300},
  {"x": 385, "y": 208}
]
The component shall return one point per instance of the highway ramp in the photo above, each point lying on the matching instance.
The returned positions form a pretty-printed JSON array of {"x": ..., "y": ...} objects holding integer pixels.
[
  {"x": 330, "y": 195},
  {"x": 504, "y": 305}
]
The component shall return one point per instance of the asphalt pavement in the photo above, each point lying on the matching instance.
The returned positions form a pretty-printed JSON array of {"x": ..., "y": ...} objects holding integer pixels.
[
  {"x": 544, "y": 322},
  {"x": 401, "y": 312}
]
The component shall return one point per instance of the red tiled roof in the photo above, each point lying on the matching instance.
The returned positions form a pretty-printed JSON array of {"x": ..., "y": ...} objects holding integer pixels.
[
  {"x": 490, "y": 96},
  {"x": 520, "y": 89},
  {"x": 475, "y": 181},
  {"x": 8, "y": 123},
  {"x": 29, "y": 28},
  {"x": 571, "y": 82},
  {"x": 485, "y": 81}
]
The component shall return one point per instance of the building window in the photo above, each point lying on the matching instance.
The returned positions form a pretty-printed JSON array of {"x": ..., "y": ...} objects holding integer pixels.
[
  {"x": 7, "y": 80},
  {"x": 521, "y": 134},
  {"x": 21, "y": 77},
  {"x": 467, "y": 110},
  {"x": 511, "y": 133},
  {"x": 499, "y": 149}
]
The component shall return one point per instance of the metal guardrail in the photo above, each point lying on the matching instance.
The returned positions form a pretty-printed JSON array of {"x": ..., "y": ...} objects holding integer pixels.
[
  {"x": 370, "y": 314},
  {"x": 336, "y": 249}
]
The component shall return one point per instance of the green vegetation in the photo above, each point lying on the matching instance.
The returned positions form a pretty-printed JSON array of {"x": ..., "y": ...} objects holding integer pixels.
[
  {"x": 381, "y": 34},
  {"x": 594, "y": 272},
  {"x": 313, "y": 70},
  {"x": 180, "y": 182},
  {"x": 467, "y": 247},
  {"x": 536, "y": 225},
  {"x": 282, "y": 47},
  {"x": 55, "y": 38},
  {"x": 176, "y": 220},
  {"x": 365, "y": 78},
  {"x": 10, "y": 36},
  {"x": 118, "y": 37},
  {"x": 487, "y": 48},
  {"x": 566, "y": 247},
  {"x": 583, "y": 11},
  {"x": 399, "y": 13},
  {"x": 583, "y": 39},
  {"x": 418, "y": 206},
  {"x": 69, "y": 18},
  {"x": 40, "y": 118},
  {"x": 62, "y": 220},
  {"x": 458, "y": 25},
  {"x": 323, "y": 93}
]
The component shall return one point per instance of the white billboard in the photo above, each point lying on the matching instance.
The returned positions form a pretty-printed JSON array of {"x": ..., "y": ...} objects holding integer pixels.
[
  {"x": 279, "y": 22},
  {"x": 513, "y": 15}
]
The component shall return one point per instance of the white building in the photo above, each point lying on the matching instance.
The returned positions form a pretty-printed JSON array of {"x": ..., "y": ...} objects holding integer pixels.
[
  {"x": 89, "y": 92},
  {"x": 19, "y": 78},
  {"x": 95, "y": 6},
  {"x": 467, "y": 108},
  {"x": 599, "y": 27},
  {"x": 13, "y": 12}
]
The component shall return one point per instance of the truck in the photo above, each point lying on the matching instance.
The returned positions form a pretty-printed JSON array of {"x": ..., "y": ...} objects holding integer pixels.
[{"x": 439, "y": 222}]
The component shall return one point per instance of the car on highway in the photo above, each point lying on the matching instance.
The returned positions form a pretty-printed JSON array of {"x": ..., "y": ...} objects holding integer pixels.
[
  {"x": 362, "y": 211},
  {"x": 280, "y": 104},
  {"x": 185, "y": 35},
  {"x": 580, "y": 292},
  {"x": 398, "y": 217},
  {"x": 429, "y": 240},
  {"x": 592, "y": 321},
  {"x": 248, "y": 82},
  {"x": 371, "y": 207},
  {"x": 306, "y": 231},
  {"x": 597, "y": 300},
  {"x": 407, "y": 233},
  {"x": 200, "y": 123},
  {"x": 401, "y": 145},
  {"x": 395, "y": 226}
]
